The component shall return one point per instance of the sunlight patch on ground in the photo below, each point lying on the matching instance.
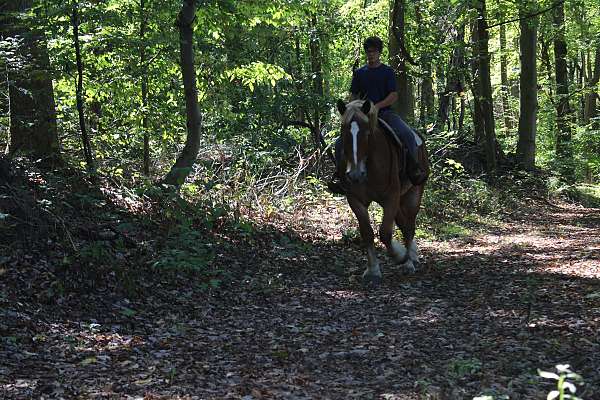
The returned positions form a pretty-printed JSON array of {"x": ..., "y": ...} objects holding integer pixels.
[
  {"x": 560, "y": 248},
  {"x": 343, "y": 294}
]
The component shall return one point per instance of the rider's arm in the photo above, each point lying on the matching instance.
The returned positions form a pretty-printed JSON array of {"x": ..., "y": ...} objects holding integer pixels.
[
  {"x": 389, "y": 87},
  {"x": 388, "y": 101}
]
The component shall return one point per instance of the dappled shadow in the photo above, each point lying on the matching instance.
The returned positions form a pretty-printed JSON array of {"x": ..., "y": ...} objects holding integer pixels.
[{"x": 293, "y": 320}]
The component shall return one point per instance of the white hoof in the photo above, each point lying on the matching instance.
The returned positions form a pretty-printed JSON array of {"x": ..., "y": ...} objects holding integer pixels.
[
  {"x": 369, "y": 278},
  {"x": 409, "y": 267},
  {"x": 398, "y": 252}
]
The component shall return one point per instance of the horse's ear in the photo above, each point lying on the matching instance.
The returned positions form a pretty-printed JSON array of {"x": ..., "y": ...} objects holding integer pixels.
[
  {"x": 341, "y": 106},
  {"x": 366, "y": 107}
]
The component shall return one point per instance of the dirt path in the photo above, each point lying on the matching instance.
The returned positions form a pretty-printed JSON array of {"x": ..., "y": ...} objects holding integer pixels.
[{"x": 488, "y": 311}]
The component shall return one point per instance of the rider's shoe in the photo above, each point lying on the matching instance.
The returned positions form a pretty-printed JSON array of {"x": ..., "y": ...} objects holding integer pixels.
[
  {"x": 335, "y": 185},
  {"x": 416, "y": 174}
]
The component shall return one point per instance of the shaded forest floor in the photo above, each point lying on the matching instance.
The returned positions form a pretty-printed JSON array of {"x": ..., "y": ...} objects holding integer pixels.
[{"x": 291, "y": 319}]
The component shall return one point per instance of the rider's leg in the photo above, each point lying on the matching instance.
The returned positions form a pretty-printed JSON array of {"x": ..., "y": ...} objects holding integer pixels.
[{"x": 403, "y": 131}]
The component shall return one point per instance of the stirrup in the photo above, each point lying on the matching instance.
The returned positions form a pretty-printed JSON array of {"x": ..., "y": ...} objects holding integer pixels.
[
  {"x": 417, "y": 177},
  {"x": 336, "y": 187}
]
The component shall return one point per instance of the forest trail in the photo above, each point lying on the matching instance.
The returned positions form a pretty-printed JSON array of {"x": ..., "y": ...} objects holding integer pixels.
[{"x": 487, "y": 312}]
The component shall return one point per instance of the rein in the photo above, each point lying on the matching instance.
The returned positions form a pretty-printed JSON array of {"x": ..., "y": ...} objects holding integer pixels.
[{"x": 394, "y": 160}]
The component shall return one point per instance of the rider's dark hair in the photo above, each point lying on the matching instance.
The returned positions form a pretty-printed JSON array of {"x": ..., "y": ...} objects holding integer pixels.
[{"x": 373, "y": 42}]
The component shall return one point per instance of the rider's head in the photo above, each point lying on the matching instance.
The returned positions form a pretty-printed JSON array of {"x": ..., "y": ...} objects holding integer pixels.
[{"x": 373, "y": 46}]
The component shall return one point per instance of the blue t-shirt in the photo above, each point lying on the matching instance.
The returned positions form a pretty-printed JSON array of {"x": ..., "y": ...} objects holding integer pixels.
[{"x": 374, "y": 84}]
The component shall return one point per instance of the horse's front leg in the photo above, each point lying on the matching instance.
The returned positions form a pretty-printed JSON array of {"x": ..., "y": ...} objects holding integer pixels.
[
  {"x": 396, "y": 250},
  {"x": 373, "y": 272}
]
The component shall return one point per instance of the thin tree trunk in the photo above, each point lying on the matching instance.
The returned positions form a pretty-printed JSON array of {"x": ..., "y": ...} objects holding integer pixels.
[
  {"x": 461, "y": 117},
  {"x": 427, "y": 109},
  {"x": 87, "y": 147},
  {"x": 591, "y": 110},
  {"x": 32, "y": 109},
  {"x": 545, "y": 56},
  {"x": 454, "y": 77},
  {"x": 144, "y": 86},
  {"x": 187, "y": 158},
  {"x": 526, "y": 146},
  {"x": 564, "y": 149},
  {"x": 405, "y": 104},
  {"x": 485, "y": 85},
  {"x": 8, "y": 106},
  {"x": 504, "y": 80},
  {"x": 478, "y": 120},
  {"x": 316, "y": 62},
  {"x": 427, "y": 96},
  {"x": 299, "y": 78}
]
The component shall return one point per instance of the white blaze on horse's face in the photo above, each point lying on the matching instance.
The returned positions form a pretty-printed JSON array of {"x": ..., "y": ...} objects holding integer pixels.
[
  {"x": 354, "y": 129},
  {"x": 356, "y": 145}
]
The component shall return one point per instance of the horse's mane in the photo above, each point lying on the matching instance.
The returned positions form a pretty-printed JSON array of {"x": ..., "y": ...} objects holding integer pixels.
[{"x": 354, "y": 109}]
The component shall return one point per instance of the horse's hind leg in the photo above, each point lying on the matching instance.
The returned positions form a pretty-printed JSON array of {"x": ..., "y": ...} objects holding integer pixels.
[{"x": 373, "y": 272}]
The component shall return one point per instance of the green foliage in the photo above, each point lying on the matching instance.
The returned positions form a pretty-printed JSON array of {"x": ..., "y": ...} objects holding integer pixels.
[
  {"x": 256, "y": 71},
  {"x": 96, "y": 253},
  {"x": 460, "y": 368},
  {"x": 184, "y": 251},
  {"x": 452, "y": 193},
  {"x": 565, "y": 382}
]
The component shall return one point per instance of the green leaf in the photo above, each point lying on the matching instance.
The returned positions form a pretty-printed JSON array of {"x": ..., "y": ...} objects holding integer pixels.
[
  {"x": 548, "y": 375},
  {"x": 553, "y": 395},
  {"x": 570, "y": 386}
]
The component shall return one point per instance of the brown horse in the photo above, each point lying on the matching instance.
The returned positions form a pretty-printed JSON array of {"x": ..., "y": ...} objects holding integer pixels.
[{"x": 373, "y": 167}]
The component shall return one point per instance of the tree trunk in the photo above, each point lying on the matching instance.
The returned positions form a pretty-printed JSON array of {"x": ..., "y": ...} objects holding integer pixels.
[
  {"x": 144, "y": 86},
  {"x": 298, "y": 76},
  {"x": 564, "y": 149},
  {"x": 405, "y": 104},
  {"x": 504, "y": 80},
  {"x": 316, "y": 62},
  {"x": 485, "y": 85},
  {"x": 454, "y": 78},
  {"x": 32, "y": 110},
  {"x": 478, "y": 120},
  {"x": 545, "y": 57},
  {"x": 591, "y": 98},
  {"x": 187, "y": 158},
  {"x": 427, "y": 109},
  {"x": 528, "y": 91},
  {"x": 87, "y": 147},
  {"x": 427, "y": 97},
  {"x": 442, "y": 111}
]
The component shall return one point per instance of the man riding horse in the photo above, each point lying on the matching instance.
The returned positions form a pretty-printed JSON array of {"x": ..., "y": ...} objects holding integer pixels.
[
  {"x": 373, "y": 165},
  {"x": 376, "y": 82}
]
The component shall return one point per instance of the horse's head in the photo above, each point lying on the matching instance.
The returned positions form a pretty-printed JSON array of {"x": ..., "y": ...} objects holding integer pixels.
[{"x": 359, "y": 119}]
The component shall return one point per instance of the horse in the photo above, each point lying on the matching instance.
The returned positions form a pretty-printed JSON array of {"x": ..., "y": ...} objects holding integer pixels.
[{"x": 372, "y": 165}]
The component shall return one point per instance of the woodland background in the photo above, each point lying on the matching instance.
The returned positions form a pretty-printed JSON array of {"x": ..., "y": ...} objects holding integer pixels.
[{"x": 165, "y": 231}]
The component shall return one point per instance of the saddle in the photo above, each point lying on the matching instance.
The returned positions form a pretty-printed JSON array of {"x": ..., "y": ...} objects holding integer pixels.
[
  {"x": 388, "y": 130},
  {"x": 403, "y": 156}
]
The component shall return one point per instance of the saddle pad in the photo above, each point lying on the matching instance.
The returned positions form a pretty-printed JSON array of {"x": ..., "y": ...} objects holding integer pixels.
[{"x": 393, "y": 134}]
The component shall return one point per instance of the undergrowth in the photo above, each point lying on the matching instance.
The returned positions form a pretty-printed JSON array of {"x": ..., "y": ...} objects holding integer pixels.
[{"x": 101, "y": 233}]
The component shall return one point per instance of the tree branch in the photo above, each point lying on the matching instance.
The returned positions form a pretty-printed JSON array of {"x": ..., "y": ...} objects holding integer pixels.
[
  {"x": 535, "y": 14},
  {"x": 315, "y": 131}
]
